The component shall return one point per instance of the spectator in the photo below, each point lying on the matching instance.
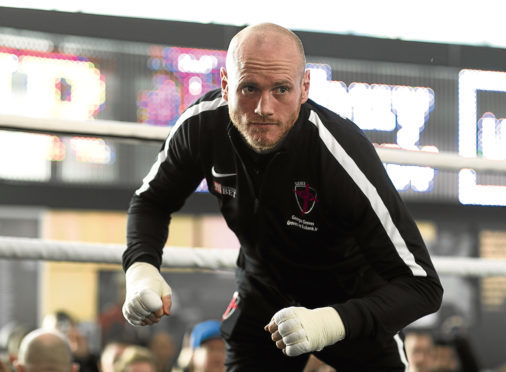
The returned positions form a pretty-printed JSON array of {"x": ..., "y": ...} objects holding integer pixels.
[
  {"x": 208, "y": 348},
  {"x": 163, "y": 347},
  {"x": 136, "y": 359},
  {"x": 110, "y": 355},
  {"x": 45, "y": 350},
  {"x": 63, "y": 322},
  {"x": 454, "y": 353},
  {"x": 419, "y": 347},
  {"x": 454, "y": 335}
]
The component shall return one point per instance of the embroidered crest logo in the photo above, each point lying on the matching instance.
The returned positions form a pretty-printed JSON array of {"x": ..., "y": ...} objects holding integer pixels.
[{"x": 305, "y": 196}]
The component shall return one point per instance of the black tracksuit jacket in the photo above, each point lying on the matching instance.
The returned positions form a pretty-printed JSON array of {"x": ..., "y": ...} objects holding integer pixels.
[{"x": 317, "y": 217}]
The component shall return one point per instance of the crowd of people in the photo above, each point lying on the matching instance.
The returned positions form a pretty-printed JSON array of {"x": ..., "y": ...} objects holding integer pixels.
[{"x": 59, "y": 345}]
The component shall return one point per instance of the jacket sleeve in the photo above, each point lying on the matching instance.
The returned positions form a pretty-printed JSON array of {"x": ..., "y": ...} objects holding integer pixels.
[
  {"x": 172, "y": 178},
  {"x": 391, "y": 242}
]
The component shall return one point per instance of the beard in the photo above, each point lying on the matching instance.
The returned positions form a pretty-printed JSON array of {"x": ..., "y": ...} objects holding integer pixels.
[
  {"x": 261, "y": 138},
  {"x": 257, "y": 138}
]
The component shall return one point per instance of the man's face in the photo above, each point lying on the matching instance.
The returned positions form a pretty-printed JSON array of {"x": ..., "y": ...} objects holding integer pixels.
[
  {"x": 420, "y": 351},
  {"x": 264, "y": 88}
]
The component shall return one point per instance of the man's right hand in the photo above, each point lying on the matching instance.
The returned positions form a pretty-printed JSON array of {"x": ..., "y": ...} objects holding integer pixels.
[{"x": 148, "y": 296}]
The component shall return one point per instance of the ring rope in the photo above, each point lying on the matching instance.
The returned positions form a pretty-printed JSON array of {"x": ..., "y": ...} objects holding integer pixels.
[
  {"x": 198, "y": 258},
  {"x": 440, "y": 160},
  {"x": 52, "y": 250},
  {"x": 97, "y": 128}
]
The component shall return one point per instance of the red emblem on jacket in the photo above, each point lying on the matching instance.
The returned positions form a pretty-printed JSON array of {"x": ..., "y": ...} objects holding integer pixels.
[{"x": 305, "y": 196}]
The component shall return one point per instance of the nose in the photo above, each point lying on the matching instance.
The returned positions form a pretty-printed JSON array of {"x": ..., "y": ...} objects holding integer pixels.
[{"x": 264, "y": 105}]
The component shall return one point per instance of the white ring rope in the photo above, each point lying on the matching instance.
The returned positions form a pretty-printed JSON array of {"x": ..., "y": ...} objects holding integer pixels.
[
  {"x": 125, "y": 130},
  {"x": 51, "y": 250},
  {"x": 439, "y": 160},
  {"x": 468, "y": 266},
  {"x": 97, "y": 128},
  {"x": 198, "y": 258}
]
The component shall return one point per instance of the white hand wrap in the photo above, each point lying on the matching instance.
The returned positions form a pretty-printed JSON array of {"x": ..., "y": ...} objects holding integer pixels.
[
  {"x": 305, "y": 330},
  {"x": 145, "y": 287}
]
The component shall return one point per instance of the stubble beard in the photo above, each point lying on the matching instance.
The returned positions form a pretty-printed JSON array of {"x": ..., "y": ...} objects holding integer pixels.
[{"x": 256, "y": 137}]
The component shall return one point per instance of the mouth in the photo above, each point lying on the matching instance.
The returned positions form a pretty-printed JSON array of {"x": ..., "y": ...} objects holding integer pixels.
[{"x": 262, "y": 123}]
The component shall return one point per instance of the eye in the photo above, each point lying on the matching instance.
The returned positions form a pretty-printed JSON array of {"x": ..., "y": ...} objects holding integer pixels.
[
  {"x": 248, "y": 89},
  {"x": 282, "y": 89}
]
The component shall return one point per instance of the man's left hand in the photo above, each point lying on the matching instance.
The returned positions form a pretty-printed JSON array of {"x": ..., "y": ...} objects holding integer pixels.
[{"x": 297, "y": 330}]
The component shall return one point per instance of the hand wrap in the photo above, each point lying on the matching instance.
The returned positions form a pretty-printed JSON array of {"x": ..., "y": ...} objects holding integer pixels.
[
  {"x": 305, "y": 330},
  {"x": 145, "y": 287}
]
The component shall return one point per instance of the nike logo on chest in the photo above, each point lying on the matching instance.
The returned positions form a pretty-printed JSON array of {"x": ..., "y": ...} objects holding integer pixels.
[{"x": 221, "y": 175}]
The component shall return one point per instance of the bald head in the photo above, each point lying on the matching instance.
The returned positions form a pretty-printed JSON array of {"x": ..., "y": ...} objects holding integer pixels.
[
  {"x": 260, "y": 36},
  {"x": 265, "y": 84},
  {"x": 45, "y": 350}
]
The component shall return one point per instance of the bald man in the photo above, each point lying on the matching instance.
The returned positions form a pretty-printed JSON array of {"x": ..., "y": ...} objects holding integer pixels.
[
  {"x": 45, "y": 350},
  {"x": 330, "y": 262}
]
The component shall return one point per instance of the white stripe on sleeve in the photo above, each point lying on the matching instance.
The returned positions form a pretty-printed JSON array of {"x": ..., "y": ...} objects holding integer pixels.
[
  {"x": 370, "y": 192},
  {"x": 162, "y": 155}
]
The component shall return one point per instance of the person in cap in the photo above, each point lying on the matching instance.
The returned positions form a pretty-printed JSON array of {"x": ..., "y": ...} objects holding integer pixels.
[{"x": 208, "y": 348}]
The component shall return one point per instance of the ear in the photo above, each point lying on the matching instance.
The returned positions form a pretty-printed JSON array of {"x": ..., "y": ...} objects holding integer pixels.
[
  {"x": 305, "y": 86},
  {"x": 224, "y": 83}
]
